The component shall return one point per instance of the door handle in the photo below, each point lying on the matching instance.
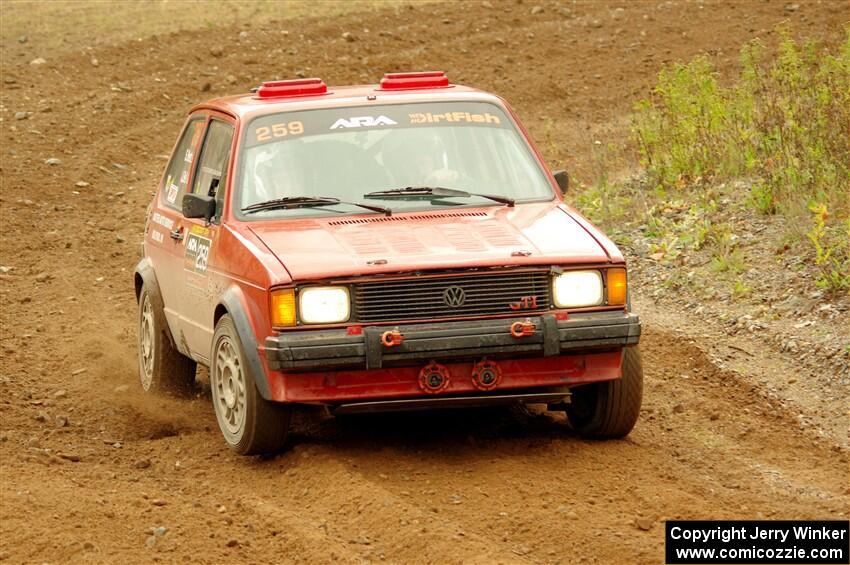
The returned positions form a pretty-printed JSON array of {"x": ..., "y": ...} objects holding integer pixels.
[{"x": 177, "y": 234}]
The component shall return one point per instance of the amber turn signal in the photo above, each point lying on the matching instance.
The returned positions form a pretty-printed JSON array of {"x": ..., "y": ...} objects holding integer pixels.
[
  {"x": 283, "y": 308},
  {"x": 617, "y": 288}
]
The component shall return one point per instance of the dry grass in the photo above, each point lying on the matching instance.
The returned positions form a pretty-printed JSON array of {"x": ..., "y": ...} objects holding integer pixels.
[{"x": 69, "y": 25}]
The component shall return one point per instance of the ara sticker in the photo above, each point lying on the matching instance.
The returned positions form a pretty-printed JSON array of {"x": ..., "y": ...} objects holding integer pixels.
[
  {"x": 197, "y": 253},
  {"x": 189, "y": 155},
  {"x": 363, "y": 121}
]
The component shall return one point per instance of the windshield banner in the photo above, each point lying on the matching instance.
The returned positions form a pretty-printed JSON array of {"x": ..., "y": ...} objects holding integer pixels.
[{"x": 358, "y": 118}]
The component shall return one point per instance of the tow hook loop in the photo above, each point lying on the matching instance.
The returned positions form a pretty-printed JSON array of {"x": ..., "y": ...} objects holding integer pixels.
[
  {"x": 522, "y": 329},
  {"x": 433, "y": 378},
  {"x": 486, "y": 375},
  {"x": 391, "y": 338}
]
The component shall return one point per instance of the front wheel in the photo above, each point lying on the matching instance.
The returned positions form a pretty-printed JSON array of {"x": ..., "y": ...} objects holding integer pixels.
[
  {"x": 609, "y": 409},
  {"x": 250, "y": 424}
]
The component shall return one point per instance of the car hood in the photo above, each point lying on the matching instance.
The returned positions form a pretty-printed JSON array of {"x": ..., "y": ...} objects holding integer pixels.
[{"x": 528, "y": 234}]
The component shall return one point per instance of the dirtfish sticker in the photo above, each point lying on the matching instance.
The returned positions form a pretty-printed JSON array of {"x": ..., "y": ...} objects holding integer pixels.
[
  {"x": 197, "y": 252},
  {"x": 432, "y": 118},
  {"x": 363, "y": 121}
]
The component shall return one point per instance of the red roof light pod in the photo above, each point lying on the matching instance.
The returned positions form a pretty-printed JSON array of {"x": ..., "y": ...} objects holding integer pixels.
[
  {"x": 295, "y": 87},
  {"x": 410, "y": 81}
]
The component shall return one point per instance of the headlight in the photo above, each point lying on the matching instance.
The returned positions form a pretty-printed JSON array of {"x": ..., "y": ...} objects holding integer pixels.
[
  {"x": 576, "y": 289},
  {"x": 324, "y": 304}
]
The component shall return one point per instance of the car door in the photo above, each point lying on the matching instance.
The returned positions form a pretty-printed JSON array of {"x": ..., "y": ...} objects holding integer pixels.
[
  {"x": 164, "y": 231},
  {"x": 201, "y": 260}
]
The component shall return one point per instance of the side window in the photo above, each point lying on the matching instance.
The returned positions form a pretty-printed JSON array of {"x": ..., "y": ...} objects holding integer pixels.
[
  {"x": 211, "y": 176},
  {"x": 177, "y": 174}
]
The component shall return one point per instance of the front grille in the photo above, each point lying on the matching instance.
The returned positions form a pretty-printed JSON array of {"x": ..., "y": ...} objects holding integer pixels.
[{"x": 478, "y": 294}]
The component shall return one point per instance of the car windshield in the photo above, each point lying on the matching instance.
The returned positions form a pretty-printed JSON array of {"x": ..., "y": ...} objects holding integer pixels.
[{"x": 347, "y": 153}]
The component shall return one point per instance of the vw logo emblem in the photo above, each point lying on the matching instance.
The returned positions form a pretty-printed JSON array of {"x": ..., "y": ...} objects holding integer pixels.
[{"x": 454, "y": 297}]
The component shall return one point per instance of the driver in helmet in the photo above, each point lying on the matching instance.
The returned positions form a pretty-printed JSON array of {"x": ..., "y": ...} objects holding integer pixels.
[
  {"x": 279, "y": 171},
  {"x": 419, "y": 160}
]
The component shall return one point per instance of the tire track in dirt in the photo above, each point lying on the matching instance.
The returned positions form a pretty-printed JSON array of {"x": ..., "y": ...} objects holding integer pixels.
[
  {"x": 503, "y": 478},
  {"x": 357, "y": 512}
]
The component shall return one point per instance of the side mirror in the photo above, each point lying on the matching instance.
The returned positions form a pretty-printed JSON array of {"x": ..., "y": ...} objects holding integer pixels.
[
  {"x": 198, "y": 206},
  {"x": 563, "y": 180}
]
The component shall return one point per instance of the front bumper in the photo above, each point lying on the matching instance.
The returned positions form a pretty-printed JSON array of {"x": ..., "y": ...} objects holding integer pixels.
[{"x": 456, "y": 341}]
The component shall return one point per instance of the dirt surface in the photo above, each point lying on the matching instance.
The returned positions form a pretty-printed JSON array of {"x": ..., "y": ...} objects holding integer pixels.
[{"x": 91, "y": 470}]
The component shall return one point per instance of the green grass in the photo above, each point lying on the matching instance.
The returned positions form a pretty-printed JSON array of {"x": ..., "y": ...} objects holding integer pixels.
[
  {"x": 783, "y": 123},
  {"x": 786, "y": 123}
]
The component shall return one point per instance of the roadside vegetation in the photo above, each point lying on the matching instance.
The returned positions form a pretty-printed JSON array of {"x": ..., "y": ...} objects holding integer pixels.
[{"x": 772, "y": 143}]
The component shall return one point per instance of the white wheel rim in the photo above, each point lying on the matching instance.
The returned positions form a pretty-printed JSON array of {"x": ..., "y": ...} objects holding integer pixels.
[
  {"x": 146, "y": 342},
  {"x": 228, "y": 387}
]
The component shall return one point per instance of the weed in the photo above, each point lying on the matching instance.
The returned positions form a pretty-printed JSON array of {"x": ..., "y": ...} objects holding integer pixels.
[
  {"x": 727, "y": 256},
  {"x": 604, "y": 202},
  {"x": 784, "y": 123},
  {"x": 832, "y": 253},
  {"x": 740, "y": 290},
  {"x": 762, "y": 198},
  {"x": 730, "y": 260}
]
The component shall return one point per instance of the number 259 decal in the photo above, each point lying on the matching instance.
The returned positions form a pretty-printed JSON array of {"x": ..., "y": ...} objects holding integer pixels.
[
  {"x": 197, "y": 253},
  {"x": 265, "y": 133}
]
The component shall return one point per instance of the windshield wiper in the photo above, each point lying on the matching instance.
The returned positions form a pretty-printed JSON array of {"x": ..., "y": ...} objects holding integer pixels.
[
  {"x": 437, "y": 191},
  {"x": 309, "y": 201}
]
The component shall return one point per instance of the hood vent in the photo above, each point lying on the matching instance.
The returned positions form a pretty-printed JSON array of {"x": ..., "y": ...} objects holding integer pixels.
[{"x": 436, "y": 216}]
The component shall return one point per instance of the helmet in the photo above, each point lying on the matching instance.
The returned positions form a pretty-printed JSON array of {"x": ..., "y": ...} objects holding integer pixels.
[
  {"x": 411, "y": 155},
  {"x": 279, "y": 170}
]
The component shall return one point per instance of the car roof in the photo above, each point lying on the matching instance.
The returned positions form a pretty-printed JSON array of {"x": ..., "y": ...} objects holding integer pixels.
[{"x": 246, "y": 106}]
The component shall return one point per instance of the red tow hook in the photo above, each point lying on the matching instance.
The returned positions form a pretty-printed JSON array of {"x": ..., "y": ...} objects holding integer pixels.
[
  {"x": 391, "y": 338},
  {"x": 522, "y": 329}
]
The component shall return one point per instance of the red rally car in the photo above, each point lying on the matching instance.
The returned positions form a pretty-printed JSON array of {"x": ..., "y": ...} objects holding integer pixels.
[{"x": 380, "y": 247}]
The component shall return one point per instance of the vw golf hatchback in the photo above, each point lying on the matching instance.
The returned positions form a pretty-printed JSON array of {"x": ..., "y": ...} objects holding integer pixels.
[{"x": 382, "y": 247}]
